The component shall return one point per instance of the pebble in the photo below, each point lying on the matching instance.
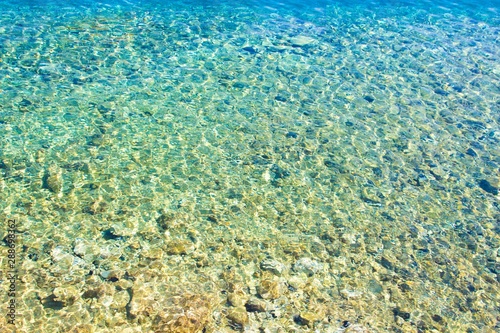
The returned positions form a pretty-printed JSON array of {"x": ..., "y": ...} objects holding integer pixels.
[
  {"x": 280, "y": 98},
  {"x": 83, "y": 249},
  {"x": 250, "y": 49},
  {"x": 441, "y": 92},
  {"x": 397, "y": 47},
  {"x": 386, "y": 263},
  {"x": 306, "y": 318},
  {"x": 420, "y": 179},
  {"x": 120, "y": 299},
  {"x": 305, "y": 80},
  {"x": 403, "y": 314},
  {"x": 239, "y": 85},
  {"x": 475, "y": 125},
  {"x": 296, "y": 283},
  {"x": 405, "y": 287},
  {"x": 279, "y": 172},
  {"x": 273, "y": 266},
  {"x": 238, "y": 316},
  {"x": 269, "y": 289},
  {"x": 25, "y": 103},
  {"x": 97, "y": 140},
  {"x": 78, "y": 81},
  {"x": 54, "y": 181},
  {"x": 377, "y": 172},
  {"x": 350, "y": 294},
  {"x": 237, "y": 298},
  {"x": 177, "y": 247},
  {"x": 112, "y": 275},
  {"x": 109, "y": 234},
  {"x": 300, "y": 41},
  {"x": 471, "y": 152},
  {"x": 255, "y": 305},
  {"x": 487, "y": 187},
  {"x": 308, "y": 266},
  {"x": 477, "y": 145},
  {"x": 437, "y": 318},
  {"x": 375, "y": 287}
]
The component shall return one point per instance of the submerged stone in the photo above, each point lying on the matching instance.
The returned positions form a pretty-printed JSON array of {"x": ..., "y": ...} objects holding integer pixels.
[
  {"x": 487, "y": 187},
  {"x": 273, "y": 266},
  {"x": 471, "y": 152},
  {"x": 250, "y": 49},
  {"x": 306, "y": 318},
  {"x": 53, "y": 179},
  {"x": 269, "y": 289},
  {"x": 255, "y": 305},
  {"x": 280, "y": 98},
  {"x": 109, "y": 234},
  {"x": 308, "y": 266},
  {"x": 25, "y": 103},
  {"x": 300, "y": 41},
  {"x": 441, "y": 92},
  {"x": 238, "y": 316},
  {"x": 178, "y": 247}
]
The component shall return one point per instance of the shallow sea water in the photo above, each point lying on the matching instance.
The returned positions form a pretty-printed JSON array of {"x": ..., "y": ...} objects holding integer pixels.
[{"x": 225, "y": 166}]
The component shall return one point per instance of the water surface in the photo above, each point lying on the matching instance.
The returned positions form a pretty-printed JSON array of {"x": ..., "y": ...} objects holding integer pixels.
[{"x": 179, "y": 166}]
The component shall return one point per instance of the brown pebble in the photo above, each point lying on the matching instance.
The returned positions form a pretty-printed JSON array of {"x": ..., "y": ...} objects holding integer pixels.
[
  {"x": 238, "y": 315},
  {"x": 255, "y": 305},
  {"x": 269, "y": 289},
  {"x": 177, "y": 247},
  {"x": 308, "y": 318}
]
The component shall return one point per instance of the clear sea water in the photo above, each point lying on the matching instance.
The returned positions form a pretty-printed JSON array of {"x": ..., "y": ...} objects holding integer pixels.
[{"x": 251, "y": 166}]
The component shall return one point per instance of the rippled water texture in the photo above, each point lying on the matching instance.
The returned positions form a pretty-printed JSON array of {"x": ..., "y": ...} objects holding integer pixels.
[{"x": 222, "y": 166}]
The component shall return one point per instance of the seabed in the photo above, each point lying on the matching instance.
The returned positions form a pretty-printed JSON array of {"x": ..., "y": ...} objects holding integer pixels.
[{"x": 196, "y": 167}]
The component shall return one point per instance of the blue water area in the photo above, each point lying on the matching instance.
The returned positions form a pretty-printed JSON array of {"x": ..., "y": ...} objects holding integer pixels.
[{"x": 251, "y": 166}]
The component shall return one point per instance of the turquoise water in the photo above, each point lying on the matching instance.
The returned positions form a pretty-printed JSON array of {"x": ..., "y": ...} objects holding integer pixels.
[{"x": 196, "y": 166}]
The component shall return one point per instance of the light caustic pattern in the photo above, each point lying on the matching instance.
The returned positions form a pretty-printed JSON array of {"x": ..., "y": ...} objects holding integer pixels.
[{"x": 297, "y": 168}]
